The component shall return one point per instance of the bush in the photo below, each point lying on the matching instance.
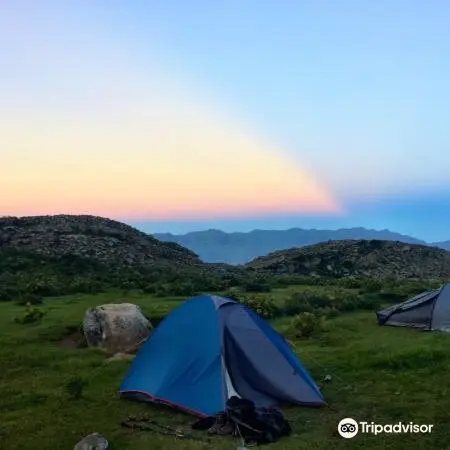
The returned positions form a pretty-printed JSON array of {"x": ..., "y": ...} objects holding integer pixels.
[
  {"x": 31, "y": 315},
  {"x": 330, "y": 312},
  {"x": 350, "y": 283},
  {"x": 329, "y": 304},
  {"x": 303, "y": 280},
  {"x": 369, "y": 302},
  {"x": 232, "y": 294},
  {"x": 306, "y": 324},
  {"x": 149, "y": 289},
  {"x": 346, "y": 302},
  {"x": 85, "y": 286},
  {"x": 257, "y": 286},
  {"x": 9, "y": 293},
  {"x": 300, "y": 280},
  {"x": 180, "y": 289},
  {"x": 183, "y": 289},
  {"x": 307, "y": 301},
  {"x": 265, "y": 307},
  {"x": 75, "y": 388},
  {"x": 371, "y": 285}
]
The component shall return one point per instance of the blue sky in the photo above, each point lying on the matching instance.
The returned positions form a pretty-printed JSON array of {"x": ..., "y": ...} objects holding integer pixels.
[
  {"x": 355, "y": 92},
  {"x": 420, "y": 216},
  {"x": 358, "y": 90}
]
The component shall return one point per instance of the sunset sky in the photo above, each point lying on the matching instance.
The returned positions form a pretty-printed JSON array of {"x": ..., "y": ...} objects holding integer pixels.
[{"x": 183, "y": 115}]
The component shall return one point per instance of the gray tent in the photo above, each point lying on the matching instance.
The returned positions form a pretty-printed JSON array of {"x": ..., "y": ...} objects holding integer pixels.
[{"x": 426, "y": 311}]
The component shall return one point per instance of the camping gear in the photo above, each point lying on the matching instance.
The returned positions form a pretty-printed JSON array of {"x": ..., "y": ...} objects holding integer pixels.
[
  {"x": 212, "y": 348},
  {"x": 144, "y": 423},
  {"x": 427, "y": 311},
  {"x": 254, "y": 425}
]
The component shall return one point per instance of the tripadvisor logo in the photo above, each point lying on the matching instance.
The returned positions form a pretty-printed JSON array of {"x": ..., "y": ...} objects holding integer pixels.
[{"x": 348, "y": 428}]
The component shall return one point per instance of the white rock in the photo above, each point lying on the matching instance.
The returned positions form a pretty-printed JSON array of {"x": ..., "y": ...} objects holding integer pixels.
[
  {"x": 116, "y": 327},
  {"x": 94, "y": 441}
]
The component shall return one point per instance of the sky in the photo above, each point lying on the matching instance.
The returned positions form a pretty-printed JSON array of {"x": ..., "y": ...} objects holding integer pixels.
[{"x": 178, "y": 116}]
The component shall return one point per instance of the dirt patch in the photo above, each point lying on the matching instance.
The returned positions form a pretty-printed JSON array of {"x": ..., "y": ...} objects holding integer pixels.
[
  {"x": 75, "y": 339},
  {"x": 121, "y": 357}
]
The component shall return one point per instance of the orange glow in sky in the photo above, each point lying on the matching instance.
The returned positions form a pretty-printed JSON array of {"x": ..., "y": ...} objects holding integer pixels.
[
  {"x": 188, "y": 168},
  {"x": 87, "y": 129}
]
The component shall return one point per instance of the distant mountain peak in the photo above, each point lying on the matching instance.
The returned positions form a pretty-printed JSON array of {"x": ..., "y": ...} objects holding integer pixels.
[{"x": 217, "y": 246}]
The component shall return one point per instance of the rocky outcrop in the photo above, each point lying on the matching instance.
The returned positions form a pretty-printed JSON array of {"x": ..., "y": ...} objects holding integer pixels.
[
  {"x": 116, "y": 327},
  {"x": 95, "y": 238},
  {"x": 371, "y": 258}
]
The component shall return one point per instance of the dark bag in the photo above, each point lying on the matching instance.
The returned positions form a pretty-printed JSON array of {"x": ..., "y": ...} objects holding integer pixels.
[{"x": 257, "y": 425}]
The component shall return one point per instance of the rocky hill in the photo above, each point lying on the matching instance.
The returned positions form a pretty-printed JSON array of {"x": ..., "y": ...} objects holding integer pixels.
[
  {"x": 373, "y": 258},
  {"x": 46, "y": 256},
  {"x": 95, "y": 238}
]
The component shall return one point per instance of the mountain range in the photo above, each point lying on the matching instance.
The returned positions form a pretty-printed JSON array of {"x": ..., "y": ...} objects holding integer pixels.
[
  {"x": 216, "y": 246},
  {"x": 68, "y": 253}
]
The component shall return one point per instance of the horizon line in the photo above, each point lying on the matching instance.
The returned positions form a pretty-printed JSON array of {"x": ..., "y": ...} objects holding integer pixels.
[{"x": 137, "y": 226}]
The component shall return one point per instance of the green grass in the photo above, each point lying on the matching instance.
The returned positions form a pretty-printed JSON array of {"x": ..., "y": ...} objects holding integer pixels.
[{"x": 379, "y": 374}]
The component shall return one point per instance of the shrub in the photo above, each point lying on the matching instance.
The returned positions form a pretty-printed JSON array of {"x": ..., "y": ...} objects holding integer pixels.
[
  {"x": 302, "y": 280},
  {"x": 399, "y": 290},
  {"x": 350, "y": 283},
  {"x": 265, "y": 307},
  {"x": 31, "y": 315},
  {"x": 371, "y": 285},
  {"x": 186, "y": 288},
  {"x": 330, "y": 312},
  {"x": 85, "y": 286},
  {"x": 306, "y": 301},
  {"x": 75, "y": 387},
  {"x": 257, "y": 286},
  {"x": 347, "y": 302},
  {"x": 128, "y": 285},
  {"x": 232, "y": 294},
  {"x": 149, "y": 289},
  {"x": 177, "y": 289},
  {"x": 45, "y": 287},
  {"x": 8, "y": 293},
  {"x": 306, "y": 324},
  {"x": 369, "y": 301}
]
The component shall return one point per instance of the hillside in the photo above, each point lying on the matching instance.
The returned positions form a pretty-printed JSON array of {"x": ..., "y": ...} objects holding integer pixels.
[
  {"x": 98, "y": 239},
  {"x": 240, "y": 248},
  {"x": 373, "y": 258},
  {"x": 56, "y": 255}
]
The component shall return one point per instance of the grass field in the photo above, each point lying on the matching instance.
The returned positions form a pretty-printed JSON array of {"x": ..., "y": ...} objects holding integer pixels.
[{"x": 379, "y": 374}]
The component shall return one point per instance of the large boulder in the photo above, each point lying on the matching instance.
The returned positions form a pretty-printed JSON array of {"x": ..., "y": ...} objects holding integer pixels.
[
  {"x": 94, "y": 441},
  {"x": 116, "y": 327}
]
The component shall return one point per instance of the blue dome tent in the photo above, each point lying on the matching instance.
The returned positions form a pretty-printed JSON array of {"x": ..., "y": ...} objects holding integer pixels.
[{"x": 211, "y": 348}]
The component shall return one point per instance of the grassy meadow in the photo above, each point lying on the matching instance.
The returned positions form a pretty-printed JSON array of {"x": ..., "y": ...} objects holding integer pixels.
[{"x": 379, "y": 374}]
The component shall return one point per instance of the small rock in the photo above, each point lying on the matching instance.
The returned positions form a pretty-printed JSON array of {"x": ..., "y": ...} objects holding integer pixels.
[
  {"x": 327, "y": 378},
  {"x": 94, "y": 441}
]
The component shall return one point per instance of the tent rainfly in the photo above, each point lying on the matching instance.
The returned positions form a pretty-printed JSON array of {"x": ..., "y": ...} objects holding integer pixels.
[
  {"x": 212, "y": 348},
  {"x": 426, "y": 311}
]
